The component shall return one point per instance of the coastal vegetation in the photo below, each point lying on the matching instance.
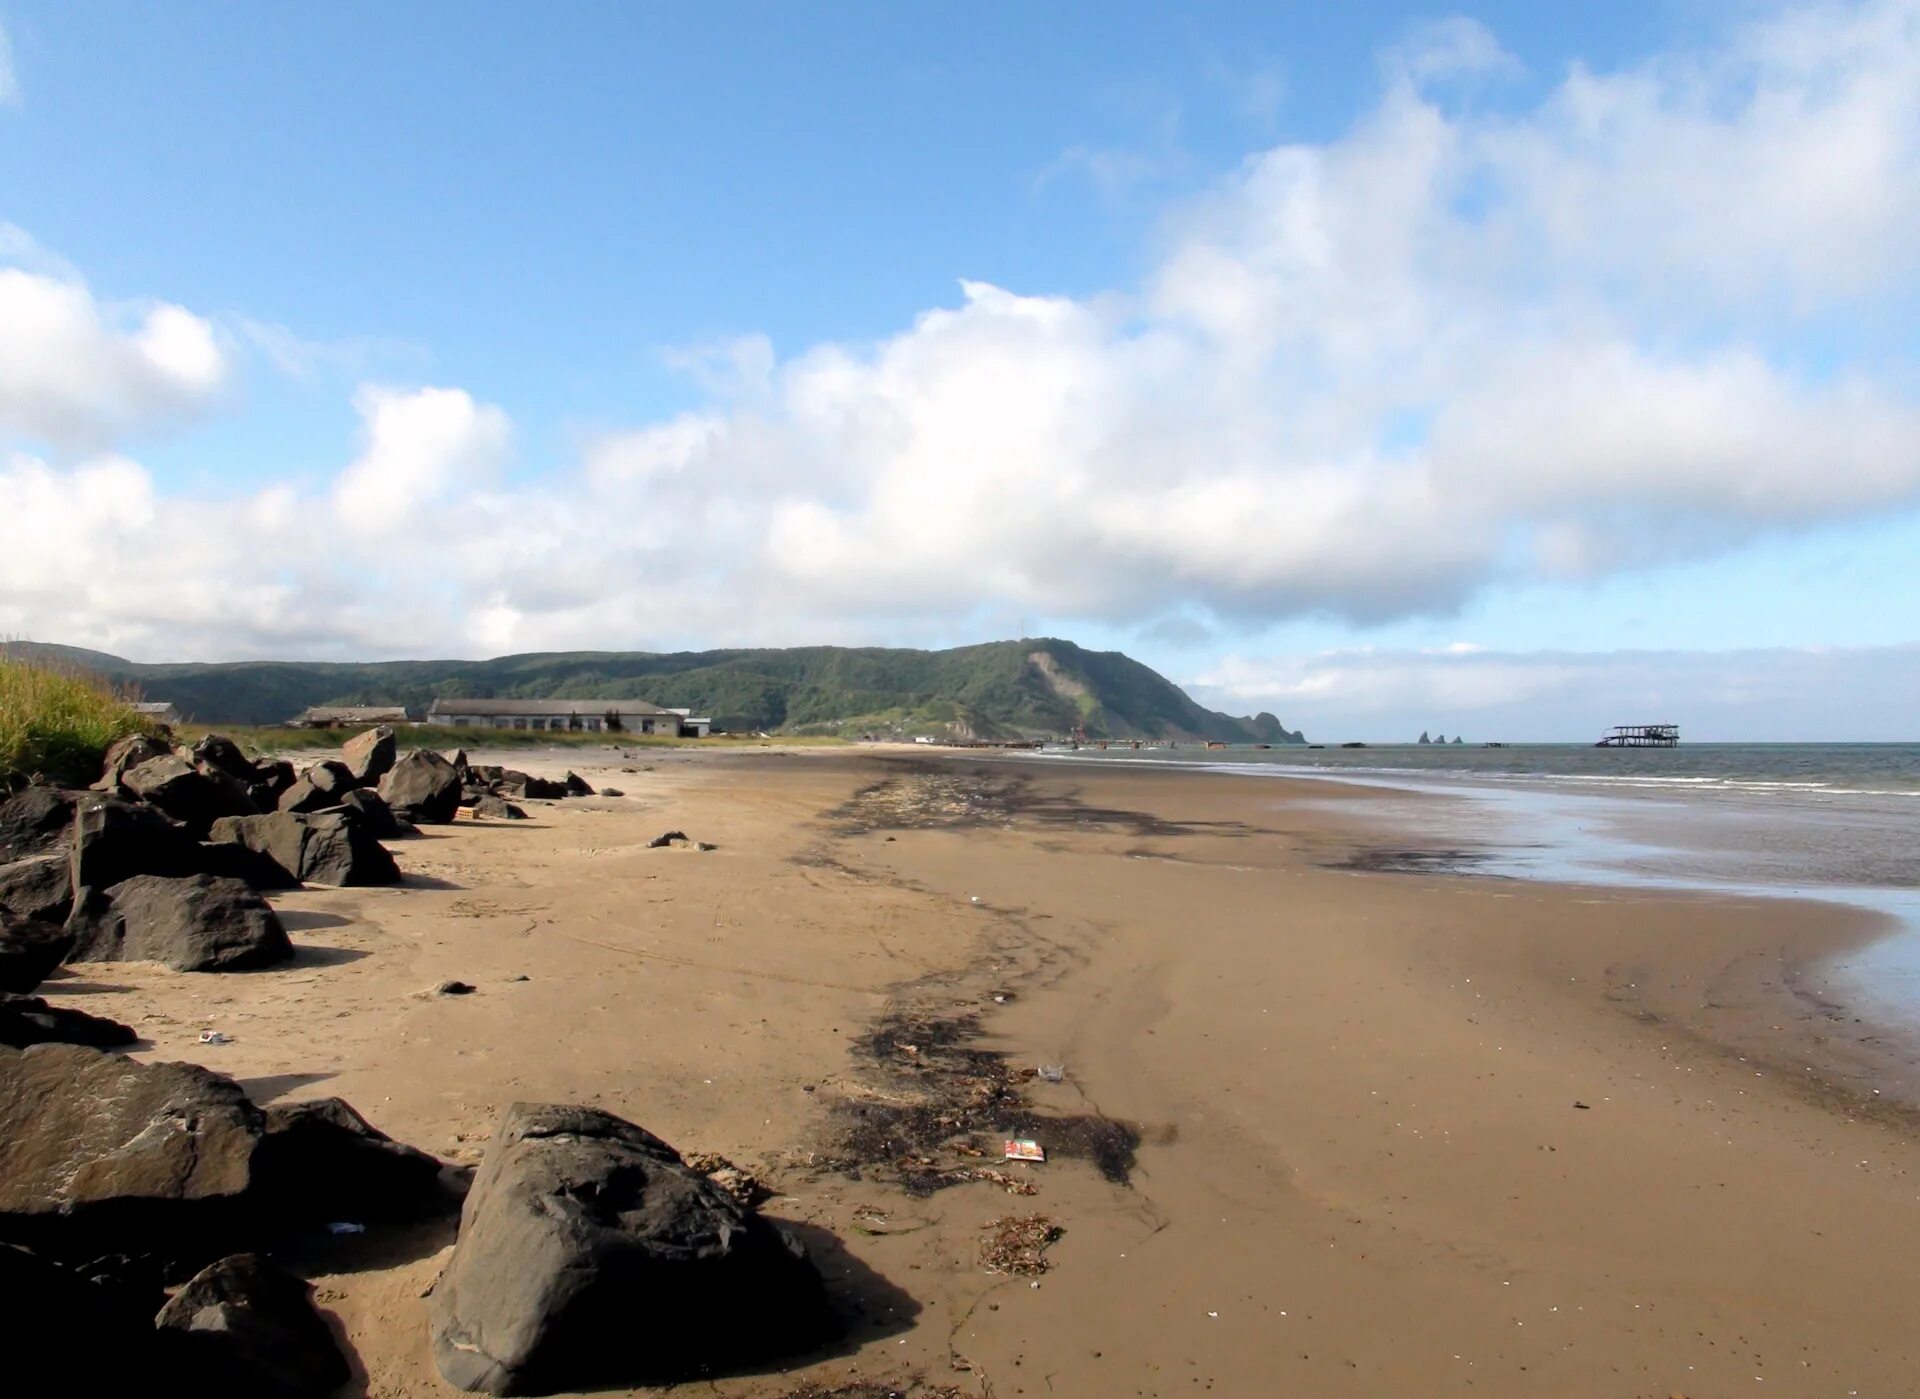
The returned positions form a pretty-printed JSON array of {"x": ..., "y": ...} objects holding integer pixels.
[
  {"x": 57, "y": 719},
  {"x": 1002, "y": 689}
]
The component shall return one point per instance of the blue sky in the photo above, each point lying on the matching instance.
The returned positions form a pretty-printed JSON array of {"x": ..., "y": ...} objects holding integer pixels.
[{"x": 1286, "y": 347}]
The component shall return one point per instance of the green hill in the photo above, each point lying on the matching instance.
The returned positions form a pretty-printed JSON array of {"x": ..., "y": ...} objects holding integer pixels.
[{"x": 1003, "y": 689}]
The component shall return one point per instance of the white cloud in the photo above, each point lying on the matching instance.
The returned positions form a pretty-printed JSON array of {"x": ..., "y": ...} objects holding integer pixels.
[
  {"x": 422, "y": 446},
  {"x": 9, "y": 80},
  {"x": 79, "y": 374},
  {"x": 300, "y": 357},
  {"x": 1367, "y": 377},
  {"x": 1456, "y": 47}
]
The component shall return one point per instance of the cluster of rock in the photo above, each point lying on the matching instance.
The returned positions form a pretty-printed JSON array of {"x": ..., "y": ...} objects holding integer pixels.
[
  {"x": 491, "y": 791},
  {"x": 166, "y": 857},
  {"x": 589, "y": 1252},
  {"x": 118, "y": 1179}
]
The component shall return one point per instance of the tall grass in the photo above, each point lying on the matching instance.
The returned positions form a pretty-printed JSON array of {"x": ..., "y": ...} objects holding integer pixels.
[{"x": 58, "y": 722}]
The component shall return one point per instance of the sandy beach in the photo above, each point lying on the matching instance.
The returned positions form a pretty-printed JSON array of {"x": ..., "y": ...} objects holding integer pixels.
[{"x": 1324, "y": 1127}]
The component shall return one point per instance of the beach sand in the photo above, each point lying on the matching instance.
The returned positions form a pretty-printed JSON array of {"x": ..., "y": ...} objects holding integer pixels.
[{"x": 1322, "y": 1130}]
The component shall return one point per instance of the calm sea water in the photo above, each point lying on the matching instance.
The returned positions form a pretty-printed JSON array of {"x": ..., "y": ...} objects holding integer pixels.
[
  {"x": 1808, "y": 769},
  {"x": 1833, "y": 821}
]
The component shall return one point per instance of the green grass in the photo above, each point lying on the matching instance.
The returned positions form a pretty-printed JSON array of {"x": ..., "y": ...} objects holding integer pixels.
[{"x": 59, "y": 722}]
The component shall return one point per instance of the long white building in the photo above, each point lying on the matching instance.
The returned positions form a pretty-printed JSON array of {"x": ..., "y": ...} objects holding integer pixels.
[{"x": 570, "y": 716}]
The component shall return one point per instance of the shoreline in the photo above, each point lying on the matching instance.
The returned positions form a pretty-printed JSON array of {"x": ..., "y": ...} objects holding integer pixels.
[{"x": 1455, "y": 1102}]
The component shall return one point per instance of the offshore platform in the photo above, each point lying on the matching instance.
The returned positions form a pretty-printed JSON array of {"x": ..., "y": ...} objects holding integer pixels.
[{"x": 1641, "y": 736}]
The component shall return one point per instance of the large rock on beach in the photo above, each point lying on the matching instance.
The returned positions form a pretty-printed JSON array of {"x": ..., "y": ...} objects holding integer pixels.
[
  {"x": 274, "y": 778},
  {"x": 198, "y": 923},
  {"x": 29, "y": 950},
  {"x": 221, "y": 754},
  {"x": 194, "y": 798},
  {"x": 319, "y": 787},
  {"x": 26, "y": 1020},
  {"x": 114, "y": 839},
  {"x": 328, "y": 847},
  {"x": 128, "y": 753},
  {"x": 245, "y": 1326},
  {"x": 98, "y": 1338},
  {"x": 324, "y": 1150},
  {"x": 488, "y": 807},
  {"x": 98, "y": 1149},
  {"x": 591, "y": 1256},
  {"x": 370, "y": 756},
  {"x": 576, "y": 785},
  {"x": 40, "y": 886},
  {"x": 34, "y": 820},
  {"x": 513, "y": 783},
  {"x": 376, "y": 815},
  {"x": 102, "y": 1154},
  {"x": 423, "y": 787}
]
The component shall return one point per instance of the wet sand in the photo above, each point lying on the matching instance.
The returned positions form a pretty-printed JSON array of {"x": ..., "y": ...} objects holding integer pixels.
[{"x": 1323, "y": 1128}]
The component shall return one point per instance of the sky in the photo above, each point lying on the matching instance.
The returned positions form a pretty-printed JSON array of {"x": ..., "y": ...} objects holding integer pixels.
[{"x": 1511, "y": 370}]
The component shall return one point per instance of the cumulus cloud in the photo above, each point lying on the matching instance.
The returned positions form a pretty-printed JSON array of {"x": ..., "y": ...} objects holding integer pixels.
[
  {"x": 1367, "y": 377},
  {"x": 79, "y": 373},
  {"x": 420, "y": 446}
]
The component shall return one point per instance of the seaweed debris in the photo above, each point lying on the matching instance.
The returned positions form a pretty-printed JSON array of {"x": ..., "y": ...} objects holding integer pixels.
[
  {"x": 939, "y": 1101},
  {"x": 1017, "y": 1245}
]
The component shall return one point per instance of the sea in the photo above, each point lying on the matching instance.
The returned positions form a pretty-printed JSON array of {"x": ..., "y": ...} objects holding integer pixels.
[{"x": 1832, "y": 821}]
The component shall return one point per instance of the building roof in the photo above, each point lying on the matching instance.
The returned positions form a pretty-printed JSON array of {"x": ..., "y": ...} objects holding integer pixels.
[
  {"x": 546, "y": 708},
  {"x": 356, "y": 713},
  {"x": 152, "y": 707}
]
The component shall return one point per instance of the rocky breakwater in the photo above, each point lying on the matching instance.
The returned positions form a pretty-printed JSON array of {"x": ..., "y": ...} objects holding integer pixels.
[{"x": 141, "y": 1203}]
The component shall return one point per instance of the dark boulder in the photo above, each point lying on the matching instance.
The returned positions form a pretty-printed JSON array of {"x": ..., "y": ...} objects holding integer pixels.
[
  {"x": 114, "y": 839},
  {"x": 195, "y": 923},
  {"x": 245, "y": 1326},
  {"x": 38, "y": 887},
  {"x": 325, "y": 1151},
  {"x": 227, "y": 860},
  {"x": 29, "y": 950},
  {"x": 319, "y": 787},
  {"x": 96, "y": 1336},
  {"x": 34, "y": 821},
  {"x": 375, "y": 814},
  {"x": 128, "y": 753},
  {"x": 328, "y": 847},
  {"x": 589, "y": 1255},
  {"x": 100, "y": 1153},
  {"x": 26, "y": 1020},
  {"x": 611, "y": 792},
  {"x": 370, "y": 756},
  {"x": 514, "y": 783},
  {"x": 333, "y": 777},
  {"x": 576, "y": 785},
  {"x": 341, "y": 852},
  {"x": 275, "y": 777},
  {"x": 488, "y": 807},
  {"x": 222, "y": 754},
  {"x": 423, "y": 787},
  {"x": 191, "y": 797}
]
